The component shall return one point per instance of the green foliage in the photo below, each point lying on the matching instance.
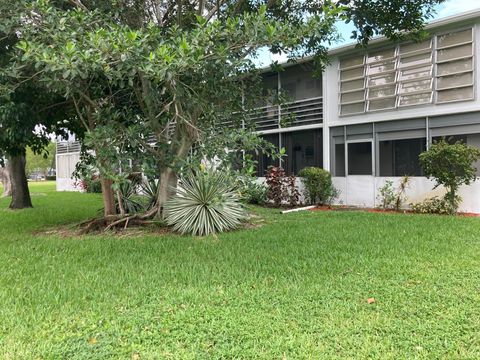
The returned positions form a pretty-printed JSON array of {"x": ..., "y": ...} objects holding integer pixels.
[
  {"x": 205, "y": 203},
  {"x": 281, "y": 189},
  {"x": 386, "y": 195},
  {"x": 149, "y": 190},
  {"x": 436, "y": 205},
  {"x": 318, "y": 186},
  {"x": 101, "y": 296},
  {"x": 390, "y": 198},
  {"x": 451, "y": 165},
  {"x": 386, "y": 17},
  {"x": 42, "y": 162},
  {"x": 90, "y": 184},
  {"x": 246, "y": 180},
  {"x": 131, "y": 201},
  {"x": 253, "y": 192}
]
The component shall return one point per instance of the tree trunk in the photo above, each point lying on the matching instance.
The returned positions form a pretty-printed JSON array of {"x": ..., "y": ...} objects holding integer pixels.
[
  {"x": 108, "y": 197},
  {"x": 167, "y": 184},
  {"x": 20, "y": 193},
  {"x": 5, "y": 180}
]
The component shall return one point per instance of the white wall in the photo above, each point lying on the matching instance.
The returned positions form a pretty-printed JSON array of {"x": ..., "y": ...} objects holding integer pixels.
[
  {"x": 362, "y": 191},
  {"x": 66, "y": 185},
  {"x": 65, "y": 165}
]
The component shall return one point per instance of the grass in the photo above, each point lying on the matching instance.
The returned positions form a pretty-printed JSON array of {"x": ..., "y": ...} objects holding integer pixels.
[{"x": 294, "y": 288}]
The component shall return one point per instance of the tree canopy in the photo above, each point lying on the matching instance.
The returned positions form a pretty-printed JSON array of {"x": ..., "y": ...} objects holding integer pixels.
[{"x": 154, "y": 79}]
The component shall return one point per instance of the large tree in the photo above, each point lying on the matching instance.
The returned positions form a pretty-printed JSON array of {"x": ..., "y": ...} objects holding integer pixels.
[
  {"x": 29, "y": 112},
  {"x": 181, "y": 70}
]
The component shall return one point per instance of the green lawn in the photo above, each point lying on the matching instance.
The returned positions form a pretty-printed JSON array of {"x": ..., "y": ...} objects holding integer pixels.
[{"x": 296, "y": 287}]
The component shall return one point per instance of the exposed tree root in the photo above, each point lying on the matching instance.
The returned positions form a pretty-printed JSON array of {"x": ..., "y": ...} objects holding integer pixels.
[{"x": 118, "y": 222}]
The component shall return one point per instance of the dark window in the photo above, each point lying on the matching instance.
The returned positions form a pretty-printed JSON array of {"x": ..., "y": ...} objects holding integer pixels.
[
  {"x": 400, "y": 157},
  {"x": 304, "y": 149},
  {"x": 360, "y": 158},
  {"x": 264, "y": 161},
  {"x": 339, "y": 160}
]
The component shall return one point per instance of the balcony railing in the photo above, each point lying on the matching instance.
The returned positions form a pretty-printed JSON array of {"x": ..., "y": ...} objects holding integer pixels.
[
  {"x": 66, "y": 147},
  {"x": 287, "y": 115},
  {"x": 291, "y": 114}
]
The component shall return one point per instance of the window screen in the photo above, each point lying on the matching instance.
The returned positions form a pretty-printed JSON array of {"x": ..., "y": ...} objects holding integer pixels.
[
  {"x": 298, "y": 84},
  {"x": 263, "y": 160},
  {"x": 400, "y": 157},
  {"x": 455, "y": 66},
  {"x": 304, "y": 149},
  {"x": 415, "y": 78},
  {"x": 352, "y": 85},
  {"x": 403, "y": 75},
  {"x": 337, "y": 151},
  {"x": 360, "y": 158}
]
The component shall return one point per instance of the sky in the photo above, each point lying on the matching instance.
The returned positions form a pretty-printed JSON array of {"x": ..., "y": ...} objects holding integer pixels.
[{"x": 448, "y": 8}]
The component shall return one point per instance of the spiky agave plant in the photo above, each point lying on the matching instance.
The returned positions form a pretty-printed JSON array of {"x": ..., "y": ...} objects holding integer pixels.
[{"x": 204, "y": 203}]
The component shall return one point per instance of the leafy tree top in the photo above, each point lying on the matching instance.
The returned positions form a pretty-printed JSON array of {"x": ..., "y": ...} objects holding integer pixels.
[{"x": 451, "y": 165}]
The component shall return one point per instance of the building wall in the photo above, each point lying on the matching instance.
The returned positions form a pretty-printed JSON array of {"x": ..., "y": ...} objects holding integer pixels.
[
  {"x": 411, "y": 122},
  {"x": 331, "y": 110},
  {"x": 65, "y": 164},
  {"x": 364, "y": 192}
]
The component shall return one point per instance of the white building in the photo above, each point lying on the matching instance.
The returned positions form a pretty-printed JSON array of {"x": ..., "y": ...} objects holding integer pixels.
[
  {"x": 67, "y": 157},
  {"x": 375, "y": 110},
  {"x": 372, "y": 112}
]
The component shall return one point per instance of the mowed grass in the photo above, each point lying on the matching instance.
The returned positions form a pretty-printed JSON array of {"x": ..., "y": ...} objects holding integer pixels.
[{"x": 294, "y": 288}]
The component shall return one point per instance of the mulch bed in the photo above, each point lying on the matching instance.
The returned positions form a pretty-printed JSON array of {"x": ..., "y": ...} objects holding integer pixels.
[{"x": 376, "y": 210}]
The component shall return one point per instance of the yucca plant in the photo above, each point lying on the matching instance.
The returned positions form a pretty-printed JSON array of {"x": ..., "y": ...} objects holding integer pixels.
[
  {"x": 131, "y": 200},
  {"x": 204, "y": 203},
  {"x": 149, "y": 188}
]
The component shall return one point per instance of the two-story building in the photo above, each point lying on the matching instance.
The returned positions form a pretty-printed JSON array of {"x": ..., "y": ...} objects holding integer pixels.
[
  {"x": 372, "y": 112},
  {"x": 375, "y": 110}
]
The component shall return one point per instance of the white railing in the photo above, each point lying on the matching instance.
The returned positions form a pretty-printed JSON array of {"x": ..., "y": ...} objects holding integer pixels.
[
  {"x": 291, "y": 114},
  {"x": 65, "y": 147}
]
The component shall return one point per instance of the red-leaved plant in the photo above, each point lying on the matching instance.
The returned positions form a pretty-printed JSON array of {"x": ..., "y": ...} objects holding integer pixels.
[{"x": 281, "y": 188}]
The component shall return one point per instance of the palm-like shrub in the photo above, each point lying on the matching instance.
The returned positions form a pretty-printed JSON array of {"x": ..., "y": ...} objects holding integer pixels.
[
  {"x": 204, "y": 203},
  {"x": 149, "y": 188}
]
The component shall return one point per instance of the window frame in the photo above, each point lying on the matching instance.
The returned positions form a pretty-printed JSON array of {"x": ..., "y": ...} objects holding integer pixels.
[
  {"x": 471, "y": 56},
  {"x": 431, "y": 65},
  {"x": 356, "y": 141},
  {"x": 340, "y": 81}
]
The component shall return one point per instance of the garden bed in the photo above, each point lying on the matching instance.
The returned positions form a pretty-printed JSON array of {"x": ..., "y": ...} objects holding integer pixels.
[{"x": 381, "y": 211}]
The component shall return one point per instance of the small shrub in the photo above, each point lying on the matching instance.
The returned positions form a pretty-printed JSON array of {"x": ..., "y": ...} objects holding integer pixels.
[
  {"x": 281, "y": 189},
  {"x": 90, "y": 185},
  {"x": 254, "y": 193},
  {"x": 451, "y": 165},
  {"x": 389, "y": 198},
  {"x": 149, "y": 190},
  {"x": 386, "y": 196},
  {"x": 132, "y": 202},
  {"x": 435, "y": 205},
  {"x": 293, "y": 195},
  {"x": 275, "y": 184},
  {"x": 401, "y": 196},
  {"x": 318, "y": 186},
  {"x": 204, "y": 203}
]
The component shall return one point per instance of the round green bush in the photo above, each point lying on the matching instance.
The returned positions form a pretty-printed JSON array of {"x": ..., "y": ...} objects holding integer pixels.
[{"x": 318, "y": 186}]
